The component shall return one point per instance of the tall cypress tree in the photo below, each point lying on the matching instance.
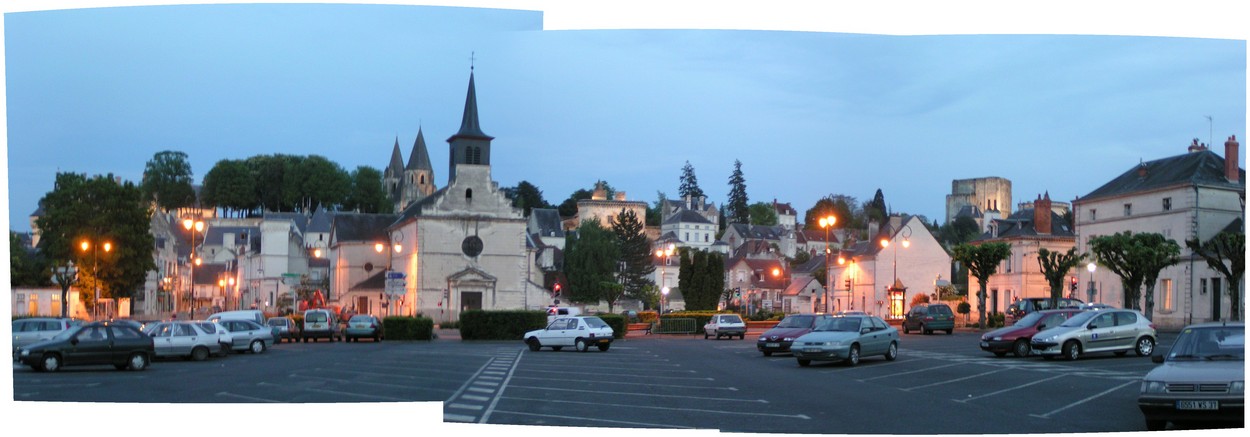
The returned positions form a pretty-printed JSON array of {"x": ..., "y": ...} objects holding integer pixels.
[
  {"x": 738, "y": 207},
  {"x": 590, "y": 262},
  {"x": 689, "y": 183},
  {"x": 635, "y": 252}
]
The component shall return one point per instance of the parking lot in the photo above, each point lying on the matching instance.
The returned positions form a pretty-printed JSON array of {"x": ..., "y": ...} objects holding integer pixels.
[{"x": 939, "y": 384}]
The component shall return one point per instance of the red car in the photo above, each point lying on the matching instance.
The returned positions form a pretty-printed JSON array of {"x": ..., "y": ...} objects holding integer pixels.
[
  {"x": 780, "y": 337},
  {"x": 1015, "y": 338}
]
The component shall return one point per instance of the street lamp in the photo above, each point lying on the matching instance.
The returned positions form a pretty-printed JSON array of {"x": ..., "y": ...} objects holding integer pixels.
[
  {"x": 906, "y": 243},
  {"x": 1091, "y": 267},
  {"x": 827, "y": 222},
  {"x": 95, "y": 270},
  {"x": 381, "y": 248},
  {"x": 664, "y": 253},
  {"x": 193, "y": 226}
]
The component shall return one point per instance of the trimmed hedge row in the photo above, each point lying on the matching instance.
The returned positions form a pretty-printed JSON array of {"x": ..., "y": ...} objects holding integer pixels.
[
  {"x": 616, "y": 321},
  {"x": 408, "y": 328},
  {"x": 500, "y": 325}
]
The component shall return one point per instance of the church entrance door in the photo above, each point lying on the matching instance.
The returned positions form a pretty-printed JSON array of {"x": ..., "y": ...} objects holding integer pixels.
[{"x": 470, "y": 300}]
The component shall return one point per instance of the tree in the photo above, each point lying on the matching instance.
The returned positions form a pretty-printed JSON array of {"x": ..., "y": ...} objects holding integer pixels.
[
  {"x": 737, "y": 209},
  {"x": 1154, "y": 253},
  {"x": 590, "y": 260},
  {"x": 26, "y": 268},
  {"x": 1137, "y": 260},
  {"x": 367, "y": 194},
  {"x": 875, "y": 210},
  {"x": 689, "y": 183},
  {"x": 763, "y": 214},
  {"x": 568, "y": 208},
  {"x": 713, "y": 280},
  {"x": 1225, "y": 247},
  {"x": 824, "y": 207},
  {"x": 962, "y": 230},
  {"x": 1055, "y": 267},
  {"x": 97, "y": 210},
  {"x": 982, "y": 261},
  {"x": 527, "y": 197},
  {"x": 655, "y": 213},
  {"x": 270, "y": 181},
  {"x": 317, "y": 182},
  {"x": 229, "y": 185},
  {"x": 167, "y": 180},
  {"x": 635, "y": 254}
]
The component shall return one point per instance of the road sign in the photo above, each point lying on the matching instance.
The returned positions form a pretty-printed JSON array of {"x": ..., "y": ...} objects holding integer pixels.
[
  {"x": 395, "y": 275},
  {"x": 395, "y": 287}
]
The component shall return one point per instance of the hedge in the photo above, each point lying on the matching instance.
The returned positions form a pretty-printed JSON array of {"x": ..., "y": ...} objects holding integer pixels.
[
  {"x": 408, "y": 328},
  {"x": 616, "y": 321},
  {"x": 500, "y": 325}
]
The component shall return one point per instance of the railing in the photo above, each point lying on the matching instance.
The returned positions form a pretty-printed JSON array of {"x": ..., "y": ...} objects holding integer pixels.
[{"x": 677, "y": 326}]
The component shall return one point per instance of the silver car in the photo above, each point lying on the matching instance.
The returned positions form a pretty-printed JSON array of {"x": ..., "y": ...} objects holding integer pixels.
[
  {"x": 37, "y": 329},
  {"x": 846, "y": 338},
  {"x": 1202, "y": 379},
  {"x": 248, "y": 335},
  {"x": 183, "y": 339},
  {"x": 1108, "y": 330}
]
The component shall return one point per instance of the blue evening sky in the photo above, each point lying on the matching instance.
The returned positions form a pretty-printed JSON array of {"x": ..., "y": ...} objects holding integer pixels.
[{"x": 809, "y": 114}]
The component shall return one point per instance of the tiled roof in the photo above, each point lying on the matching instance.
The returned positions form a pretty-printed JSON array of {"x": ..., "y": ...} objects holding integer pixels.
[
  {"x": 299, "y": 219},
  {"x": 687, "y": 216},
  {"x": 548, "y": 221},
  {"x": 349, "y": 227},
  {"x": 1198, "y": 168},
  {"x": 215, "y": 235},
  {"x": 321, "y": 221},
  {"x": 795, "y": 288},
  {"x": 420, "y": 157},
  {"x": 374, "y": 282},
  {"x": 1020, "y": 224}
]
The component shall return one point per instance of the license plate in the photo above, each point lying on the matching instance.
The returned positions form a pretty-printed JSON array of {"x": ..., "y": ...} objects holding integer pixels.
[
  {"x": 984, "y": 344},
  {"x": 772, "y": 344},
  {"x": 1197, "y": 405},
  {"x": 812, "y": 350}
]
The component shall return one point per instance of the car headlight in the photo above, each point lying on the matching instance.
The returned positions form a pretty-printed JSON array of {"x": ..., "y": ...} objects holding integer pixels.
[
  {"x": 762, "y": 338},
  {"x": 997, "y": 339},
  {"x": 1237, "y": 387},
  {"x": 788, "y": 339},
  {"x": 1153, "y": 387},
  {"x": 1043, "y": 339},
  {"x": 25, "y": 353}
]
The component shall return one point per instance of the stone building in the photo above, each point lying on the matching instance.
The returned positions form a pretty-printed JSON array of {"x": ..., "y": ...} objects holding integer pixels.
[{"x": 987, "y": 194}]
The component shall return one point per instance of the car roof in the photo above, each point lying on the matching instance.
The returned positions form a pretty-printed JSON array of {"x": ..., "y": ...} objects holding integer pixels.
[{"x": 1217, "y": 325}]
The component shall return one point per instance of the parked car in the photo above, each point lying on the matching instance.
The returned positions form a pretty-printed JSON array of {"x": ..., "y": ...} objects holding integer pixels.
[
  {"x": 223, "y": 335},
  {"x": 253, "y": 315},
  {"x": 580, "y": 332},
  {"x": 37, "y": 329},
  {"x": 927, "y": 318},
  {"x": 184, "y": 339},
  {"x": 846, "y": 338},
  {"x": 92, "y": 344},
  {"x": 1015, "y": 338},
  {"x": 725, "y": 325},
  {"x": 1023, "y": 307},
  {"x": 1113, "y": 330},
  {"x": 248, "y": 336},
  {"x": 1202, "y": 379},
  {"x": 778, "y": 338},
  {"x": 363, "y": 326},
  {"x": 319, "y": 323},
  {"x": 284, "y": 328}
]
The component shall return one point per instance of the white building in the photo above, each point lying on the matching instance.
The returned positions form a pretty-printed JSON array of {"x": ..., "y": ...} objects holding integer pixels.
[{"x": 883, "y": 279}]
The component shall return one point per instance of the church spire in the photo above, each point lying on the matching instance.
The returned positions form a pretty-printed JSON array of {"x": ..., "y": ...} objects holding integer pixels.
[
  {"x": 470, "y": 127},
  {"x": 396, "y": 167},
  {"x": 419, "y": 159}
]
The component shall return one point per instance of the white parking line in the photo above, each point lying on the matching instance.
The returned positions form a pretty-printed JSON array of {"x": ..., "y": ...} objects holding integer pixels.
[
  {"x": 650, "y": 395},
  {"x": 695, "y": 410},
  {"x": 910, "y": 372},
  {"x": 971, "y": 398},
  {"x": 465, "y": 386},
  {"x": 1047, "y": 415},
  {"x": 953, "y": 380},
  {"x": 619, "y": 375},
  {"x": 644, "y": 384},
  {"x": 379, "y": 384},
  {"x": 637, "y": 368},
  {"x": 337, "y": 392},
  {"x": 621, "y": 422}
]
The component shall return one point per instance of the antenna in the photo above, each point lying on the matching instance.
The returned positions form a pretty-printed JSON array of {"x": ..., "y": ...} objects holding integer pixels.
[
  {"x": 1210, "y": 131},
  {"x": 471, "y": 59}
]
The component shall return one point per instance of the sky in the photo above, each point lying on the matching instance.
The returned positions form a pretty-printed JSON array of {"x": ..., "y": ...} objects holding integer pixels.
[{"x": 846, "y": 100}]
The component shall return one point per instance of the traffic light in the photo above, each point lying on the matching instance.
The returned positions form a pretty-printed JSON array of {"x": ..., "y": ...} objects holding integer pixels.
[
  {"x": 555, "y": 290},
  {"x": 848, "y": 283},
  {"x": 1074, "y": 283}
]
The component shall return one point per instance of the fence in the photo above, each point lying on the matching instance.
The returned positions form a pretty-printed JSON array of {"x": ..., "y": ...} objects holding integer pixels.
[{"x": 677, "y": 326}]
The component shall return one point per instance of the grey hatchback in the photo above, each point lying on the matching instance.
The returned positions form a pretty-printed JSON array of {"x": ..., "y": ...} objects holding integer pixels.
[{"x": 1118, "y": 331}]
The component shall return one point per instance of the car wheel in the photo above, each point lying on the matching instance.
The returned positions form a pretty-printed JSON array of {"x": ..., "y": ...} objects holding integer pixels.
[
  {"x": 557, "y": 348},
  {"x": 1145, "y": 346},
  {"x": 1021, "y": 348},
  {"x": 603, "y": 347},
  {"x": 137, "y": 362},
  {"x": 200, "y": 353},
  {"x": 925, "y": 330},
  {"x": 805, "y": 363},
  {"x": 257, "y": 346},
  {"x": 51, "y": 363},
  {"x": 581, "y": 345},
  {"x": 950, "y": 331},
  {"x": 892, "y": 352},
  {"x": 533, "y": 344},
  {"x": 706, "y": 336},
  {"x": 1156, "y": 425},
  {"x": 1071, "y": 350},
  {"x": 742, "y": 336},
  {"x": 853, "y": 357},
  {"x": 906, "y": 330}
]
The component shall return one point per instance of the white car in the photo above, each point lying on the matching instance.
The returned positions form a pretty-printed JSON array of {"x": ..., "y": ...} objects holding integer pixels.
[
  {"x": 728, "y": 325},
  {"x": 248, "y": 336},
  {"x": 183, "y": 339},
  {"x": 580, "y": 332}
]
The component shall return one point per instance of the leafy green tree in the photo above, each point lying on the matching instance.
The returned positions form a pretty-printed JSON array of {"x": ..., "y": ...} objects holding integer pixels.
[
  {"x": 1154, "y": 253},
  {"x": 962, "y": 230},
  {"x": 270, "y": 182},
  {"x": 527, "y": 196},
  {"x": 982, "y": 261},
  {"x": 689, "y": 183},
  {"x": 737, "y": 209},
  {"x": 98, "y": 210},
  {"x": 229, "y": 185},
  {"x": 635, "y": 254},
  {"x": 26, "y": 267},
  {"x": 713, "y": 280},
  {"x": 318, "y": 182},
  {"x": 875, "y": 210},
  {"x": 167, "y": 180},
  {"x": 367, "y": 193},
  {"x": 1226, "y": 253},
  {"x": 824, "y": 207},
  {"x": 763, "y": 214},
  {"x": 612, "y": 293},
  {"x": 1116, "y": 253},
  {"x": 1055, "y": 267},
  {"x": 590, "y": 259}
]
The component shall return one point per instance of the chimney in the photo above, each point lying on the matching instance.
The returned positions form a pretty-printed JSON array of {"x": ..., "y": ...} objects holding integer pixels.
[
  {"x": 1232, "y": 168},
  {"x": 1142, "y": 170},
  {"x": 1196, "y": 147},
  {"x": 620, "y": 196},
  {"x": 1041, "y": 214}
]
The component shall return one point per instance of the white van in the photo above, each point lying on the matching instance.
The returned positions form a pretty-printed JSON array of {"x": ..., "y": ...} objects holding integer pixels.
[
  {"x": 554, "y": 312},
  {"x": 253, "y": 315}
]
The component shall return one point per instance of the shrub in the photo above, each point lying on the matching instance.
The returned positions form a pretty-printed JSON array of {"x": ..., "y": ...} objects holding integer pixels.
[
  {"x": 763, "y": 315},
  {"x": 996, "y": 320},
  {"x": 500, "y": 325},
  {"x": 648, "y": 316},
  {"x": 408, "y": 328},
  {"x": 617, "y": 322}
]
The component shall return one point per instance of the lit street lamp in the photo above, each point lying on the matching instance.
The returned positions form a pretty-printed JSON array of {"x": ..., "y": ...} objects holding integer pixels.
[
  {"x": 390, "y": 283},
  {"x": 665, "y": 254},
  {"x": 1091, "y": 267},
  {"x": 193, "y": 226},
  {"x": 95, "y": 270},
  {"x": 826, "y": 223},
  {"x": 906, "y": 243}
]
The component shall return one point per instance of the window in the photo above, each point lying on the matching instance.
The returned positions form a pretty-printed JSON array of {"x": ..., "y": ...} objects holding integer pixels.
[
  {"x": 1202, "y": 285},
  {"x": 1165, "y": 288},
  {"x": 1128, "y": 209},
  {"x": 468, "y": 194},
  {"x": 1167, "y": 203},
  {"x": 1093, "y": 215}
]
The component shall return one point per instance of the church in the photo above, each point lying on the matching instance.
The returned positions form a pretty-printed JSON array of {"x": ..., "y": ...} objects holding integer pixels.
[{"x": 463, "y": 246}]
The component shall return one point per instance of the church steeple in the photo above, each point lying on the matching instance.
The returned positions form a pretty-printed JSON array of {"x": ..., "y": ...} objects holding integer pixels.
[
  {"x": 470, "y": 127},
  {"x": 470, "y": 145},
  {"x": 394, "y": 173},
  {"x": 419, "y": 159}
]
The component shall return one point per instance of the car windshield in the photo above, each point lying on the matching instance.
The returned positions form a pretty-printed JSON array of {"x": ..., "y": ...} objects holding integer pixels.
[
  {"x": 66, "y": 334},
  {"x": 595, "y": 322},
  {"x": 842, "y": 324},
  {"x": 315, "y": 317},
  {"x": 940, "y": 309},
  {"x": 796, "y": 322},
  {"x": 1080, "y": 319},
  {"x": 1209, "y": 343},
  {"x": 360, "y": 319},
  {"x": 1029, "y": 320},
  {"x": 276, "y": 322}
]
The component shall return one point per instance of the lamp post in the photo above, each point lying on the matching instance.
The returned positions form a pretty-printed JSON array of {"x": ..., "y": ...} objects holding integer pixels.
[
  {"x": 193, "y": 226},
  {"x": 95, "y": 270},
  {"x": 1091, "y": 267},
  {"x": 381, "y": 248},
  {"x": 664, "y": 254},
  {"x": 906, "y": 243},
  {"x": 827, "y": 222}
]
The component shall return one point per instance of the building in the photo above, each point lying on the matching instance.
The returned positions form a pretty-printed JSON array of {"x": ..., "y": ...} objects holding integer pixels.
[
  {"x": 760, "y": 282},
  {"x": 1194, "y": 195},
  {"x": 360, "y": 252},
  {"x": 405, "y": 184},
  {"x": 600, "y": 208},
  {"x": 787, "y": 216},
  {"x": 988, "y": 194},
  {"x": 1027, "y": 231},
  {"x": 881, "y": 278}
]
